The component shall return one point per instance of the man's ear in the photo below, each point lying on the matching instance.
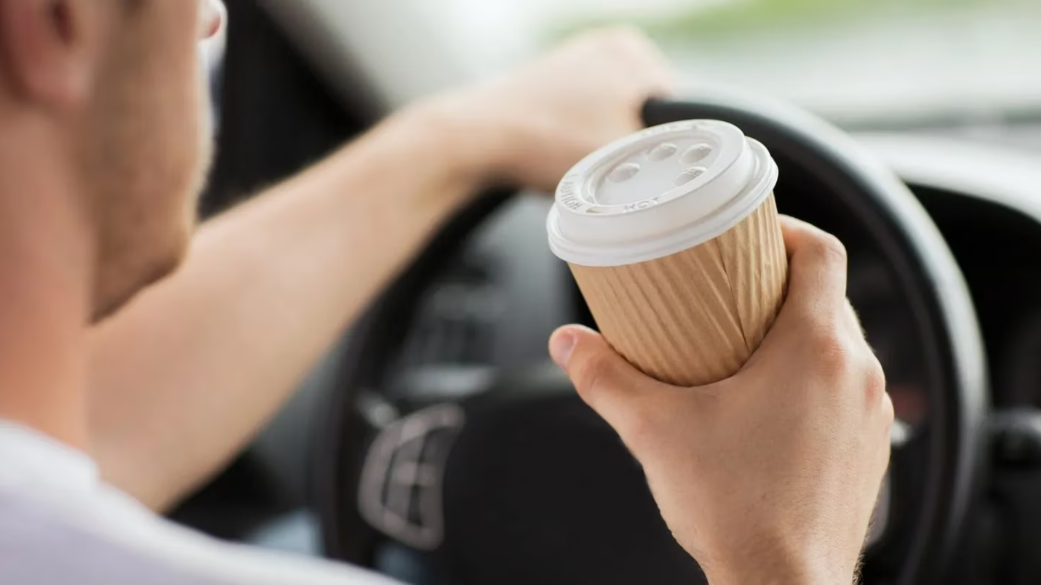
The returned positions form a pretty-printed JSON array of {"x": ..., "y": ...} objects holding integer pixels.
[{"x": 49, "y": 48}]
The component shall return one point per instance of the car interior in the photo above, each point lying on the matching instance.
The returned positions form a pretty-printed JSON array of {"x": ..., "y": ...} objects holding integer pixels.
[{"x": 437, "y": 444}]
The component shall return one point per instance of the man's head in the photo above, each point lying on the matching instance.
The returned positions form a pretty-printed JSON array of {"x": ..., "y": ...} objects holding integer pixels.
[{"x": 116, "y": 90}]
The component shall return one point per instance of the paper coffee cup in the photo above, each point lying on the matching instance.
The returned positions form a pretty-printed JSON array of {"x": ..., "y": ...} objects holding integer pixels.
[{"x": 673, "y": 238}]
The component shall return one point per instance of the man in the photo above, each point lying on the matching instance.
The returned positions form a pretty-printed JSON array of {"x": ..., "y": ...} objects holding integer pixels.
[{"x": 767, "y": 477}]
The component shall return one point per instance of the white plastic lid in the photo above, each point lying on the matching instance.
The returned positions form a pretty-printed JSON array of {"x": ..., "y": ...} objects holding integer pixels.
[{"x": 658, "y": 192}]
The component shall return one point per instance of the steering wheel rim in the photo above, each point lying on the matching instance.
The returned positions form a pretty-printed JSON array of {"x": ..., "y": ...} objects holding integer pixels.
[{"x": 924, "y": 266}]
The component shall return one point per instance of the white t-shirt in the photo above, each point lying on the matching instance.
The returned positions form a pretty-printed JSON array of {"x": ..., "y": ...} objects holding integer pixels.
[{"x": 61, "y": 525}]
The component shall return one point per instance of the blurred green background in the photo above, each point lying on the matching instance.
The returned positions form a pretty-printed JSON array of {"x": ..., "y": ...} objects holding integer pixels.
[{"x": 727, "y": 17}]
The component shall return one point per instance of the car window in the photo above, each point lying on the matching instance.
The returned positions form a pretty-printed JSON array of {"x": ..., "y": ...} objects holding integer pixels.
[{"x": 850, "y": 60}]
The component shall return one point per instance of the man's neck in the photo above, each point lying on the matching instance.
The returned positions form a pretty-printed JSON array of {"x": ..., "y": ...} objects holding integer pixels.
[{"x": 45, "y": 275}]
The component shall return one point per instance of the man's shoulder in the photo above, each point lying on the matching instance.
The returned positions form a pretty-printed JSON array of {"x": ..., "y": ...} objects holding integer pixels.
[
  {"x": 44, "y": 545},
  {"x": 39, "y": 548}
]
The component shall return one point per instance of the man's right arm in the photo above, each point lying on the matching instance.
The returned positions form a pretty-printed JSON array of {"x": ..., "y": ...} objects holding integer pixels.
[{"x": 769, "y": 477}]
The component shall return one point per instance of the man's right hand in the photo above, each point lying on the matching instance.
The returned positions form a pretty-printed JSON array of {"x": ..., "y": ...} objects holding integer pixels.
[{"x": 770, "y": 476}]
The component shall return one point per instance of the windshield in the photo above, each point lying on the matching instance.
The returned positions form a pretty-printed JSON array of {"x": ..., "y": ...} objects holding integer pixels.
[{"x": 853, "y": 61}]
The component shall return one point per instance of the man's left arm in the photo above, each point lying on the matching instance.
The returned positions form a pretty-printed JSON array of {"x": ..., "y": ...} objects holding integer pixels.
[{"x": 185, "y": 375}]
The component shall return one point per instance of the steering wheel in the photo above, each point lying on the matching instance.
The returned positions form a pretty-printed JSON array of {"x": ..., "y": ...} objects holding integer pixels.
[{"x": 507, "y": 477}]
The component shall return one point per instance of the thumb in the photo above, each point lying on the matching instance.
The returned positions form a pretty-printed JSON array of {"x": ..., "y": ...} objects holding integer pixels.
[{"x": 606, "y": 382}]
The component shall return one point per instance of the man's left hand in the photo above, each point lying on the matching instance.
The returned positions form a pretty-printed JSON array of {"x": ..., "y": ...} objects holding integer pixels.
[{"x": 531, "y": 125}]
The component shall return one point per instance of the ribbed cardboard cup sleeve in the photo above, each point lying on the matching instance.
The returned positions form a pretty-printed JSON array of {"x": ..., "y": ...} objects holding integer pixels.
[{"x": 694, "y": 317}]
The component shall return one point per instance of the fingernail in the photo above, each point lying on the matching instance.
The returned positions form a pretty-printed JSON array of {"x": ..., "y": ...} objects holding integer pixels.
[{"x": 560, "y": 347}]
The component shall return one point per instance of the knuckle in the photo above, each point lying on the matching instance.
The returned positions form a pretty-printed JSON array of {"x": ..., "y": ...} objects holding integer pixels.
[
  {"x": 831, "y": 352},
  {"x": 888, "y": 413},
  {"x": 874, "y": 381},
  {"x": 625, "y": 39},
  {"x": 590, "y": 375},
  {"x": 848, "y": 363},
  {"x": 828, "y": 248}
]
